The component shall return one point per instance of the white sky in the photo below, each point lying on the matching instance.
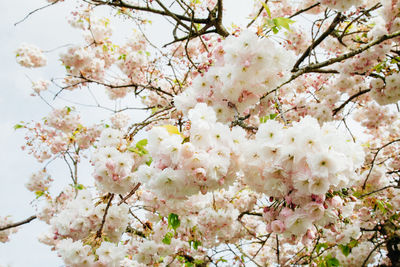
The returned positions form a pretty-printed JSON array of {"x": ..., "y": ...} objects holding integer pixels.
[{"x": 47, "y": 29}]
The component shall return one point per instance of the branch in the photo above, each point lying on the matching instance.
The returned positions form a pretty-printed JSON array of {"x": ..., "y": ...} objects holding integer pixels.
[
  {"x": 373, "y": 161},
  {"x": 130, "y": 194},
  {"x": 331, "y": 28},
  {"x": 258, "y": 14},
  {"x": 331, "y": 61},
  {"x": 304, "y": 10},
  {"x": 12, "y": 225},
  {"x": 34, "y": 11},
  {"x": 372, "y": 251},
  {"x": 336, "y": 110},
  {"x": 99, "y": 232},
  {"x": 378, "y": 190},
  {"x": 151, "y": 10}
]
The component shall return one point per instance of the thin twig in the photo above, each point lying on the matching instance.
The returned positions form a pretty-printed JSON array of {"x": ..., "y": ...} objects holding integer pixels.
[
  {"x": 12, "y": 225},
  {"x": 99, "y": 232},
  {"x": 130, "y": 194},
  {"x": 373, "y": 160}
]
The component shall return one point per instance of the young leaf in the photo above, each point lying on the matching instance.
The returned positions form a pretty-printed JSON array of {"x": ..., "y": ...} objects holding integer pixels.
[
  {"x": 173, "y": 221},
  {"x": 345, "y": 249},
  {"x": 283, "y": 22},
  {"x": 266, "y": 8},
  {"x": 142, "y": 143},
  {"x": 167, "y": 238},
  {"x": 17, "y": 126}
]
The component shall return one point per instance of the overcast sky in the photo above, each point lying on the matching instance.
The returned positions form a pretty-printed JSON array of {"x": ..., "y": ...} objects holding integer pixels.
[{"x": 47, "y": 29}]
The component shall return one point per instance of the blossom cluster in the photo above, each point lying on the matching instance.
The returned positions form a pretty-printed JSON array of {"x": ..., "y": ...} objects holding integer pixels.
[
  {"x": 61, "y": 128},
  {"x": 77, "y": 254},
  {"x": 299, "y": 165},
  {"x": 79, "y": 217},
  {"x": 386, "y": 92},
  {"x": 182, "y": 168},
  {"x": 114, "y": 163},
  {"x": 39, "y": 181},
  {"x": 246, "y": 67},
  {"x": 30, "y": 56}
]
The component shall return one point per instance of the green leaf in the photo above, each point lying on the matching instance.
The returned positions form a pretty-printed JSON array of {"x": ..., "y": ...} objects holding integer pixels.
[
  {"x": 331, "y": 262},
  {"x": 381, "y": 206},
  {"x": 17, "y": 126},
  {"x": 198, "y": 262},
  {"x": 266, "y": 8},
  {"x": 148, "y": 163},
  {"x": 268, "y": 117},
  {"x": 167, "y": 238},
  {"x": 173, "y": 221},
  {"x": 283, "y": 22},
  {"x": 353, "y": 243},
  {"x": 263, "y": 119},
  {"x": 79, "y": 186},
  {"x": 142, "y": 143},
  {"x": 185, "y": 140},
  {"x": 345, "y": 249},
  {"x": 39, "y": 194},
  {"x": 195, "y": 244}
]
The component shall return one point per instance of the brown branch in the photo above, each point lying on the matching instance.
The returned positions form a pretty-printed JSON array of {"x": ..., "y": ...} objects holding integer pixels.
[
  {"x": 151, "y": 10},
  {"x": 331, "y": 61},
  {"x": 372, "y": 251},
  {"x": 32, "y": 12},
  {"x": 174, "y": 16},
  {"x": 304, "y": 10},
  {"x": 365, "y": 12},
  {"x": 277, "y": 249},
  {"x": 219, "y": 27},
  {"x": 99, "y": 232},
  {"x": 373, "y": 160},
  {"x": 328, "y": 31},
  {"x": 378, "y": 190},
  {"x": 130, "y": 194},
  {"x": 258, "y": 14},
  {"x": 12, "y": 225},
  {"x": 336, "y": 110}
]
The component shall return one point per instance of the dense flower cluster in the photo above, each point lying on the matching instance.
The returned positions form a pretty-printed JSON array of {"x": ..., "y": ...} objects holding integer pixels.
[
  {"x": 386, "y": 92},
  {"x": 114, "y": 163},
  {"x": 78, "y": 217},
  {"x": 246, "y": 68},
  {"x": 207, "y": 162},
  {"x": 299, "y": 165}
]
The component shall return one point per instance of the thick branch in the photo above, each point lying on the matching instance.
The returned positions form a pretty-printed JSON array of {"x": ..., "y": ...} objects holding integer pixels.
[{"x": 151, "y": 10}]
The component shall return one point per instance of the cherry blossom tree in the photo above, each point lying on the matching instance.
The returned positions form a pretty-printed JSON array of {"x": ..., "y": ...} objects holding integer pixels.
[{"x": 272, "y": 143}]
